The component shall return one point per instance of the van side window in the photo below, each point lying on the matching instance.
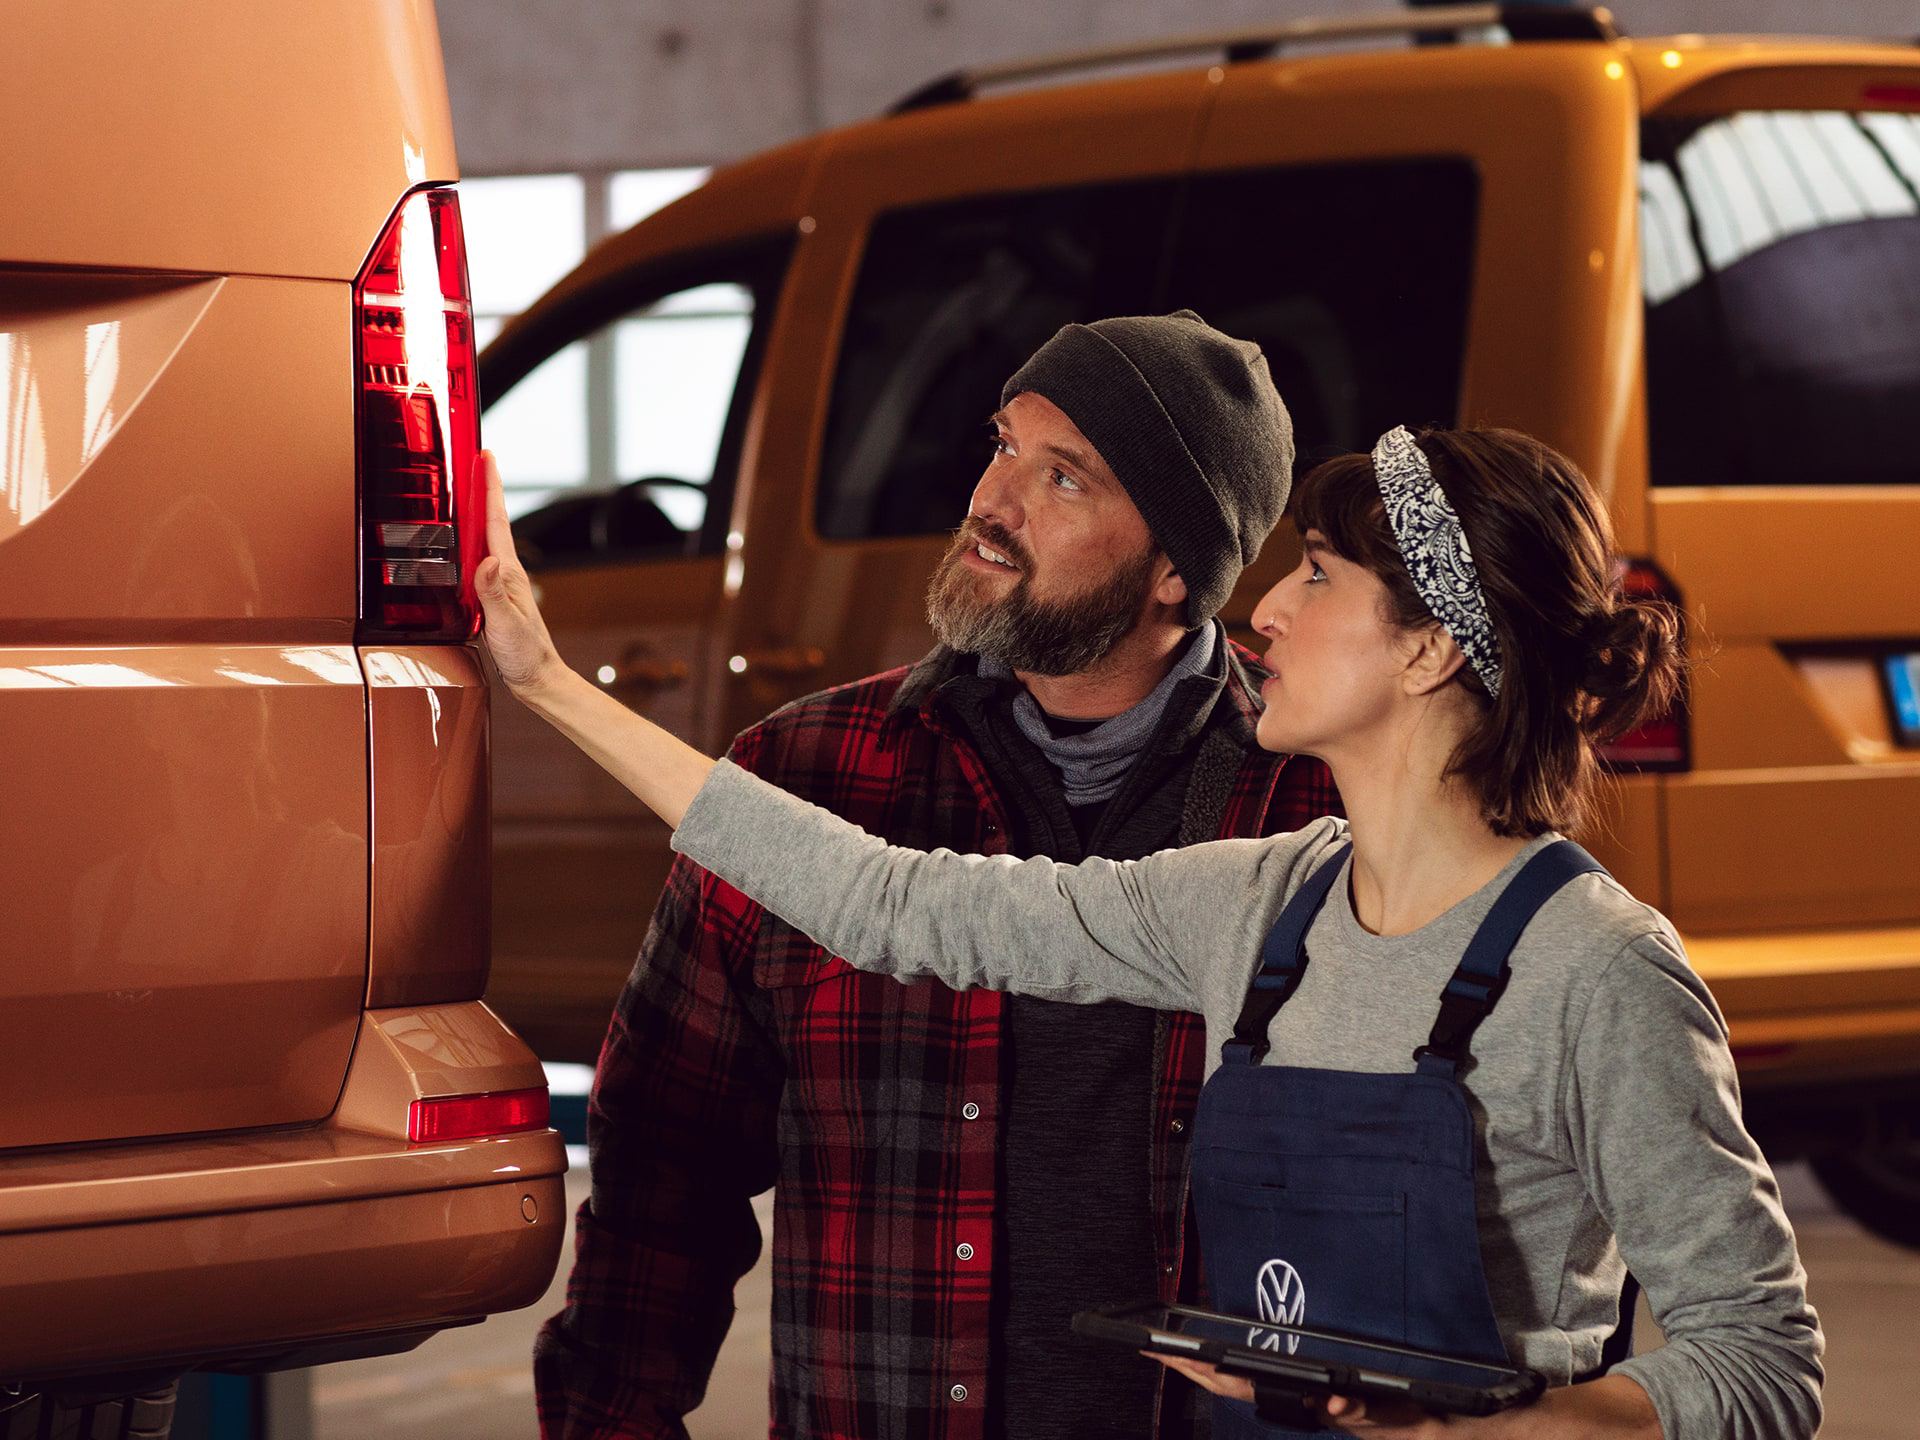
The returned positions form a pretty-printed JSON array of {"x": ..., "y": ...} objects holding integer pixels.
[
  {"x": 1781, "y": 267},
  {"x": 1354, "y": 280},
  {"x": 677, "y": 369},
  {"x": 950, "y": 300}
]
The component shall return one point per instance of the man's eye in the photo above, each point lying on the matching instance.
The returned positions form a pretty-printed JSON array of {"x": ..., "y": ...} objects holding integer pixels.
[
  {"x": 999, "y": 444},
  {"x": 1064, "y": 480}
]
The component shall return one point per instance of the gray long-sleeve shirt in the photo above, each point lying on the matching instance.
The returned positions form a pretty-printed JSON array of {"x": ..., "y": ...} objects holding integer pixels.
[{"x": 1603, "y": 1093}]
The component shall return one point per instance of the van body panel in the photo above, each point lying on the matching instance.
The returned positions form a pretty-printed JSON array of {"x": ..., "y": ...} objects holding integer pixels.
[
  {"x": 151, "y": 521},
  {"x": 187, "y": 901},
  {"x": 1693, "y": 74},
  {"x": 1794, "y": 564},
  {"x": 432, "y": 865},
  {"x": 187, "y": 896},
  {"x": 179, "y": 599},
  {"x": 290, "y": 132},
  {"x": 245, "y": 1242}
]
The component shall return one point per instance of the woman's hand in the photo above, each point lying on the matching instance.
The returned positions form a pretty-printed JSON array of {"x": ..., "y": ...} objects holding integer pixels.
[
  {"x": 516, "y": 636},
  {"x": 1355, "y": 1417}
]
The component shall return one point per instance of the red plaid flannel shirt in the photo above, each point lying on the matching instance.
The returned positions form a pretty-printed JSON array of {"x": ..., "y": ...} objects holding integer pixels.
[{"x": 741, "y": 1054}]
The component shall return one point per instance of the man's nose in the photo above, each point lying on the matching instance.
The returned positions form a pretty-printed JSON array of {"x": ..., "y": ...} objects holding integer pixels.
[{"x": 997, "y": 498}]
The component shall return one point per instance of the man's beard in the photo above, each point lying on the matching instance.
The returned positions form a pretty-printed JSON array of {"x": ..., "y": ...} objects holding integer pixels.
[{"x": 1037, "y": 637}]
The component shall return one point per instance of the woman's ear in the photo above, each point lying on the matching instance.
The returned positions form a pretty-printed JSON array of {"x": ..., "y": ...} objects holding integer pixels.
[{"x": 1433, "y": 658}]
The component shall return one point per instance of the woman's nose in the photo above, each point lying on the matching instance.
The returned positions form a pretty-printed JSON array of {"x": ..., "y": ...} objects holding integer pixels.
[{"x": 1269, "y": 617}]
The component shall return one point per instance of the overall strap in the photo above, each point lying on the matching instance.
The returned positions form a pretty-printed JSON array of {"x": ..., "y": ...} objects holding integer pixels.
[
  {"x": 1483, "y": 971},
  {"x": 1283, "y": 960}
]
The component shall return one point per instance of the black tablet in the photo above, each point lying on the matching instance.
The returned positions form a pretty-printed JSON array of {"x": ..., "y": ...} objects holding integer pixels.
[{"x": 1312, "y": 1364}]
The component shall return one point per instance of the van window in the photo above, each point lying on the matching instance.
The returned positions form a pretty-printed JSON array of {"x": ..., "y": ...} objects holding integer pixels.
[
  {"x": 677, "y": 368},
  {"x": 1353, "y": 279},
  {"x": 950, "y": 301},
  {"x": 1781, "y": 260}
]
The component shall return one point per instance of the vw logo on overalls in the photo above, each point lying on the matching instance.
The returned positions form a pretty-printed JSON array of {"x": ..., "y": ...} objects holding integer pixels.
[{"x": 1282, "y": 1299}]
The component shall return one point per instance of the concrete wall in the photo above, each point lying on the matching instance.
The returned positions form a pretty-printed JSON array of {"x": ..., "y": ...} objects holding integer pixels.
[{"x": 605, "y": 84}]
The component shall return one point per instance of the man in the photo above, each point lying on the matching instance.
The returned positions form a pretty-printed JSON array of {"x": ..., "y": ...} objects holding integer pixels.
[{"x": 956, "y": 1173}]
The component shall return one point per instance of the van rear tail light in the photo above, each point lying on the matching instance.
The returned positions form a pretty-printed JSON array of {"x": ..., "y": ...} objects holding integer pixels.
[
  {"x": 1661, "y": 743},
  {"x": 473, "y": 1117},
  {"x": 1892, "y": 97},
  {"x": 421, "y": 513}
]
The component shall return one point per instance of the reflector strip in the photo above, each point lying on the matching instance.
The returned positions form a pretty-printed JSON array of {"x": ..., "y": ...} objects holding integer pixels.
[{"x": 472, "y": 1117}]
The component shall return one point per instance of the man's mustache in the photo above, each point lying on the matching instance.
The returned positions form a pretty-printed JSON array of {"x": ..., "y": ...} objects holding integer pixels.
[{"x": 975, "y": 531}]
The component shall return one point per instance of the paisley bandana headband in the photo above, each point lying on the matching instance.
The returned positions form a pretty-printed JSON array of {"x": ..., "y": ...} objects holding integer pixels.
[{"x": 1436, "y": 551}]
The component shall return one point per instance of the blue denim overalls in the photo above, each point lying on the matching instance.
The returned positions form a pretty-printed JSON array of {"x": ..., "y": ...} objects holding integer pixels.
[{"x": 1344, "y": 1201}]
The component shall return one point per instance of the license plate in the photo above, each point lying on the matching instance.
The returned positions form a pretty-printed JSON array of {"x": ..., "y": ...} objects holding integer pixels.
[{"x": 1902, "y": 673}]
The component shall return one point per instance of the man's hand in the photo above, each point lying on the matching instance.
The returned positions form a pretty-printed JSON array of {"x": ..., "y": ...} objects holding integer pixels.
[{"x": 516, "y": 636}]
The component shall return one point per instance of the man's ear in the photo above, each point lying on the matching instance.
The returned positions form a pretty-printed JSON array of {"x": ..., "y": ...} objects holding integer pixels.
[
  {"x": 1171, "y": 590},
  {"x": 1433, "y": 658}
]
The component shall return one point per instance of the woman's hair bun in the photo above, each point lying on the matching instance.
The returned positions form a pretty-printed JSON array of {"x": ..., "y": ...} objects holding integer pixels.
[{"x": 1633, "y": 665}]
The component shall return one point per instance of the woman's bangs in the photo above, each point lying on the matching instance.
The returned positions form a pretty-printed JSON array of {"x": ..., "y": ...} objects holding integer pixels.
[{"x": 1341, "y": 499}]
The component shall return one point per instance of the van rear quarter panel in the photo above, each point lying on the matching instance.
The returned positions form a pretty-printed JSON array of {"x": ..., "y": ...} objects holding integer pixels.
[
  {"x": 231, "y": 137},
  {"x": 185, "y": 816}
]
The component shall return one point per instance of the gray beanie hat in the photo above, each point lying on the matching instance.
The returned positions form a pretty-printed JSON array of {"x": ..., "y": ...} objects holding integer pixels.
[{"x": 1189, "y": 422}]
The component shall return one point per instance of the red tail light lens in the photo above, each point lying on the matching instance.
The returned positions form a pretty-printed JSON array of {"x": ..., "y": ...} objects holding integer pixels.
[
  {"x": 421, "y": 520},
  {"x": 1892, "y": 97},
  {"x": 1661, "y": 743},
  {"x": 473, "y": 1117}
]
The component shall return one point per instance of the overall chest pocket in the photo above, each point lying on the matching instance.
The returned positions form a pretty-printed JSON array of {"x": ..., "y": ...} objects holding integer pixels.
[{"x": 1315, "y": 1258}]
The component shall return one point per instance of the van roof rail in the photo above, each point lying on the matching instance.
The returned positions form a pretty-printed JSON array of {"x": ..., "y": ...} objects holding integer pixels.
[{"x": 1521, "y": 22}]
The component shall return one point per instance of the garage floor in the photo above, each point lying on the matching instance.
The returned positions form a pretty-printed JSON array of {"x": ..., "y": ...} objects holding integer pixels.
[{"x": 476, "y": 1384}]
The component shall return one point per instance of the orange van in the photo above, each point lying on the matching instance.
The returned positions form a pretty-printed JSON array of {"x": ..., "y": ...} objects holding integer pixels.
[
  {"x": 1693, "y": 264},
  {"x": 255, "y": 1112}
]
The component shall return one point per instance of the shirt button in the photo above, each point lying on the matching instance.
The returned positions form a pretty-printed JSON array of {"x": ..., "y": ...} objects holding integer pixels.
[
  {"x": 969, "y": 1111},
  {"x": 959, "y": 1393},
  {"x": 964, "y": 1250},
  {"x": 1179, "y": 1127},
  {"x": 1166, "y": 1269}
]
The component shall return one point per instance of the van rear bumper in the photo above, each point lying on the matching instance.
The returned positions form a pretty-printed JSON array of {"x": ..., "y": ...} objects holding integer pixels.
[
  {"x": 184, "y": 1252},
  {"x": 1816, "y": 1008}
]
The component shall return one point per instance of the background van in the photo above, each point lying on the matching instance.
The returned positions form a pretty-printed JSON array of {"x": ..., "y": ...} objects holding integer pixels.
[{"x": 1692, "y": 264}]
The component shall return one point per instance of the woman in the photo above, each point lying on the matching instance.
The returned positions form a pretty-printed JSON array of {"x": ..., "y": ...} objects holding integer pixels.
[{"x": 1462, "y": 1080}]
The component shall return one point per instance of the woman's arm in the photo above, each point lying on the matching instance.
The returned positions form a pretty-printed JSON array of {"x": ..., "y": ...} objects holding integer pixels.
[
  {"x": 661, "y": 770},
  {"x": 1652, "y": 1112},
  {"x": 1099, "y": 931}
]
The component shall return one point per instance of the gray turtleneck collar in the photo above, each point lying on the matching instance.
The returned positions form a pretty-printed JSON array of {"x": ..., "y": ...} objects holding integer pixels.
[{"x": 1094, "y": 763}]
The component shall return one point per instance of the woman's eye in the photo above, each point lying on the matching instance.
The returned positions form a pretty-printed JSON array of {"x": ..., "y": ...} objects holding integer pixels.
[{"x": 1314, "y": 573}]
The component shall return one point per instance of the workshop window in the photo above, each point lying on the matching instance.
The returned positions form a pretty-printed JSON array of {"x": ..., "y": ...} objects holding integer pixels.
[{"x": 562, "y": 430}]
